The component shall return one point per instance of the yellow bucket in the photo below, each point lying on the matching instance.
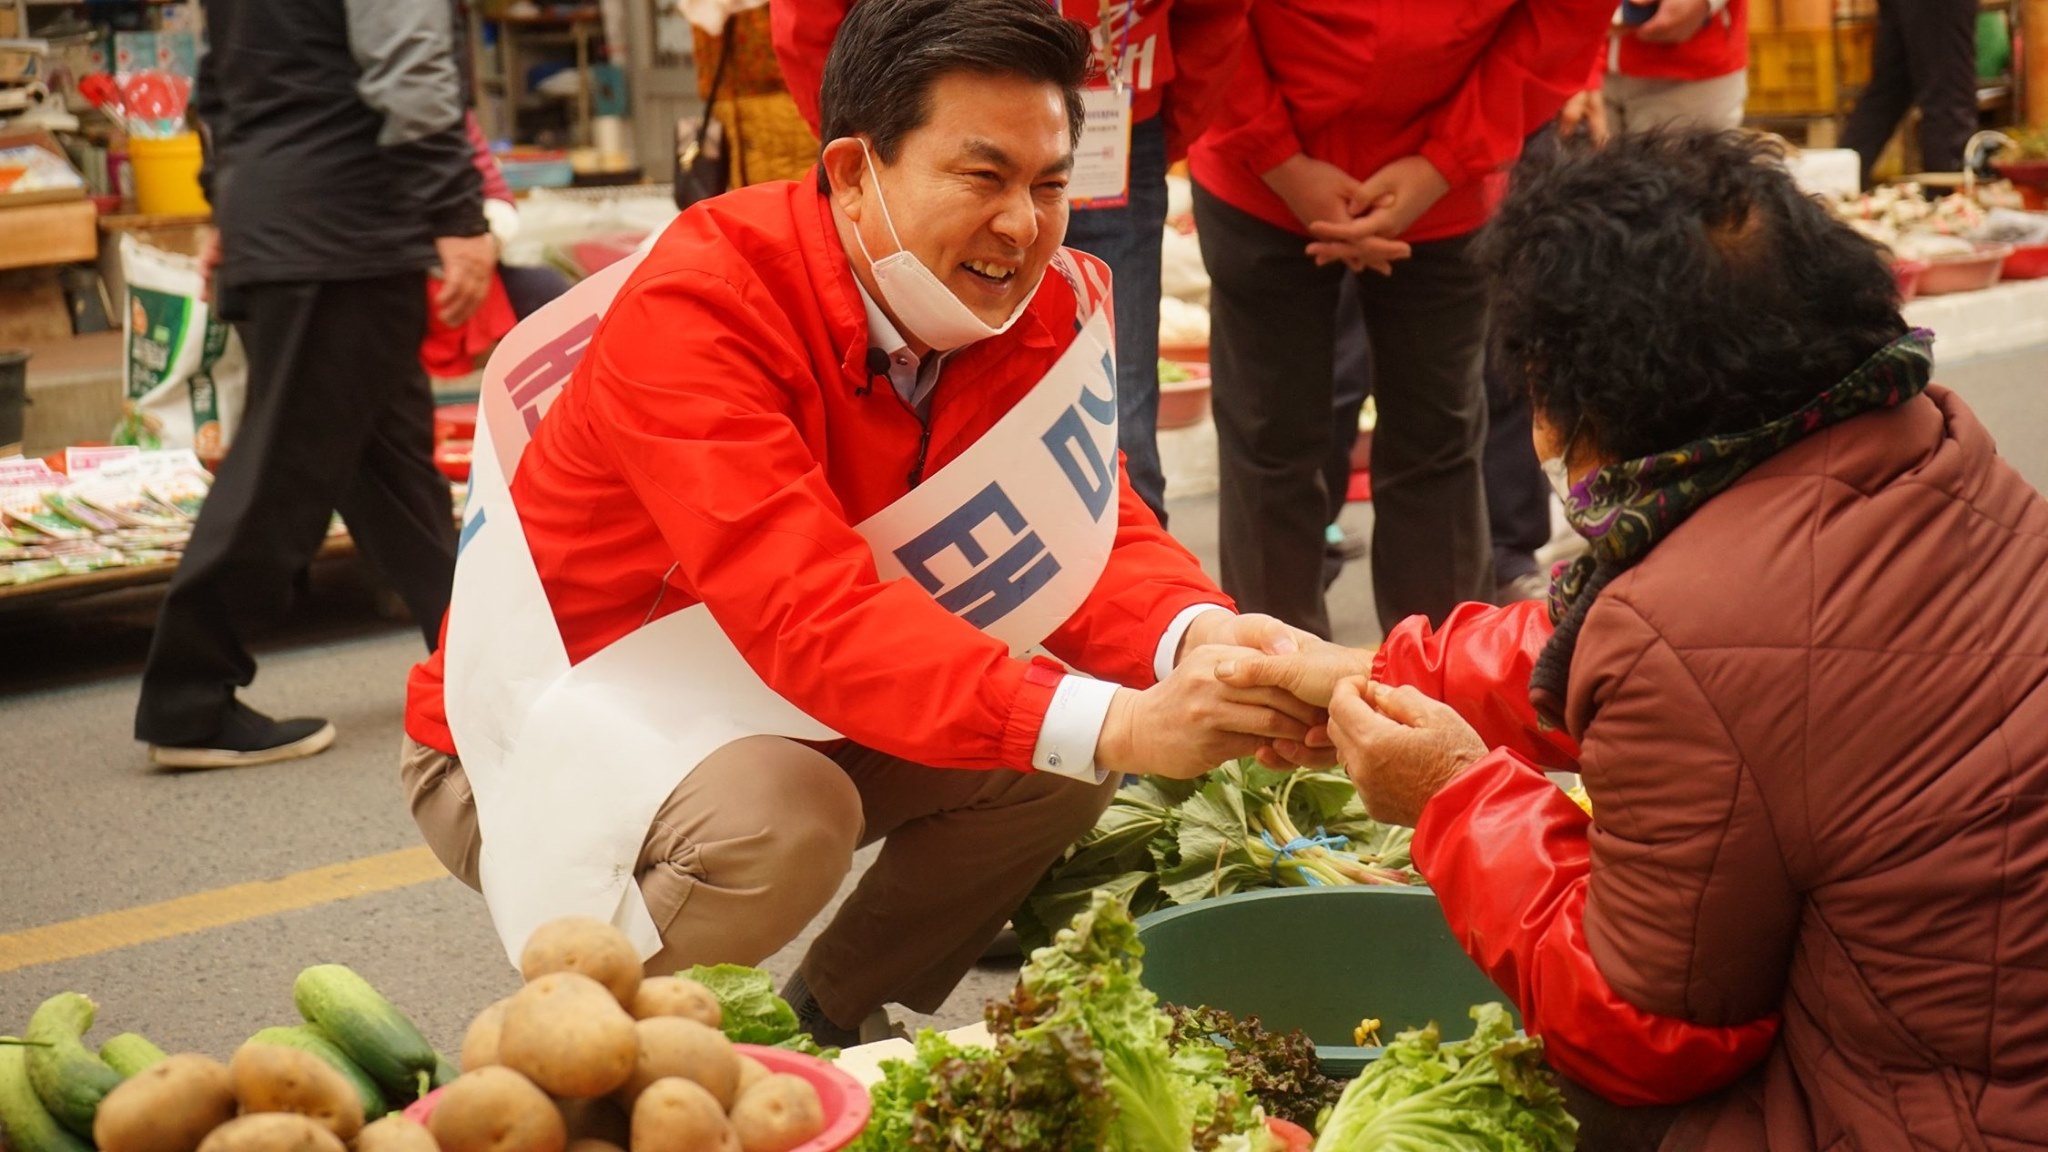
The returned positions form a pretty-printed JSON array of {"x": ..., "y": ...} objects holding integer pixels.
[{"x": 167, "y": 175}]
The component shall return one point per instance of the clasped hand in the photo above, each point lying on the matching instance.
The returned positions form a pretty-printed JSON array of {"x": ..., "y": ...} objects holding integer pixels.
[{"x": 1358, "y": 223}]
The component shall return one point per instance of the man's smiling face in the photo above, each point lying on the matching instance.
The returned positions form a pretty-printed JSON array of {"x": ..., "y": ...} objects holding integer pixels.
[{"x": 978, "y": 193}]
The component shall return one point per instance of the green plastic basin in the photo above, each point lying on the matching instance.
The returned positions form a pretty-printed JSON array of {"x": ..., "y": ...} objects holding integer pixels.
[{"x": 1318, "y": 959}]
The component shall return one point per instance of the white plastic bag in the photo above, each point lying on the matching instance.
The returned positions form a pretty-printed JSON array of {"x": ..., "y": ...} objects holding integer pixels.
[{"x": 186, "y": 375}]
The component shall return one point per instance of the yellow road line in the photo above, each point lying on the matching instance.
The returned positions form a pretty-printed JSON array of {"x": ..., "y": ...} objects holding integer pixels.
[{"x": 109, "y": 931}]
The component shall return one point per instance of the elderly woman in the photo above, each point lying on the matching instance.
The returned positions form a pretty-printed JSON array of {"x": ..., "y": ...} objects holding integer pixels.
[{"x": 1804, "y": 673}]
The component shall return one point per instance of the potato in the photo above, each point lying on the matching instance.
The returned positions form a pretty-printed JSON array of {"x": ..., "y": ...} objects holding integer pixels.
[
  {"x": 273, "y": 1079},
  {"x": 566, "y": 1033},
  {"x": 480, "y": 1043},
  {"x": 590, "y": 947},
  {"x": 169, "y": 1107},
  {"x": 752, "y": 1072},
  {"x": 600, "y": 1119},
  {"x": 496, "y": 1110},
  {"x": 592, "y": 1144},
  {"x": 273, "y": 1132},
  {"x": 677, "y": 996},
  {"x": 778, "y": 1114},
  {"x": 678, "y": 1115},
  {"x": 673, "y": 1046},
  {"x": 395, "y": 1133}
]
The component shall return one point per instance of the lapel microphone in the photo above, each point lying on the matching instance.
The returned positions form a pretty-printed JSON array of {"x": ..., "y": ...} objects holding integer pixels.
[{"x": 878, "y": 369}]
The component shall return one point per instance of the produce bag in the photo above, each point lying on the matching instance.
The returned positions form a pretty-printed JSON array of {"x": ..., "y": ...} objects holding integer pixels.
[{"x": 186, "y": 375}]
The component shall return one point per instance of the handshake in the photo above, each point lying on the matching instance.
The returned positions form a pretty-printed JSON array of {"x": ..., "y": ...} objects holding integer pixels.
[{"x": 1253, "y": 686}]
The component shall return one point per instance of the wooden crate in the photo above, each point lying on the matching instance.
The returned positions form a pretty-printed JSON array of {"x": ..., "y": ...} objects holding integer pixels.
[{"x": 1808, "y": 71}]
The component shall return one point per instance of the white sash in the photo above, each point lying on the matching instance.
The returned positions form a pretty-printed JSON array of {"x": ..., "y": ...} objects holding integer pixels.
[{"x": 570, "y": 765}]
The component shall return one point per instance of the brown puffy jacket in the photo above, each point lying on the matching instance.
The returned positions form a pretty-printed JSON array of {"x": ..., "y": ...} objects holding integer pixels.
[{"x": 1839, "y": 668}]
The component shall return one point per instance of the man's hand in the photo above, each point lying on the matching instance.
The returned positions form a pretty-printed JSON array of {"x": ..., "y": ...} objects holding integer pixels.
[
  {"x": 209, "y": 260},
  {"x": 1313, "y": 190},
  {"x": 1399, "y": 747},
  {"x": 466, "y": 263},
  {"x": 1385, "y": 206},
  {"x": 1190, "y": 722},
  {"x": 1254, "y": 630},
  {"x": 1310, "y": 675},
  {"x": 1675, "y": 22},
  {"x": 1586, "y": 110}
]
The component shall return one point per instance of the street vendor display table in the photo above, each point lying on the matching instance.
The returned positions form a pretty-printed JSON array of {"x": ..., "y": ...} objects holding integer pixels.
[
  {"x": 2004, "y": 318},
  {"x": 16, "y": 597}
]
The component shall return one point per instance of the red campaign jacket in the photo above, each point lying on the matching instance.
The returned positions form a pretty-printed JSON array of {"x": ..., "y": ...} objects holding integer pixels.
[
  {"x": 1714, "y": 51},
  {"x": 1509, "y": 855},
  {"x": 1361, "y": 83},
  {"x": 717, "y": 444},
  {"x": 1178, "y": 54}
]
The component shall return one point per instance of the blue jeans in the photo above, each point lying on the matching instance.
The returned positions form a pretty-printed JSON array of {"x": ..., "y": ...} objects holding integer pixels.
[{"x": 1127, "y": 239}]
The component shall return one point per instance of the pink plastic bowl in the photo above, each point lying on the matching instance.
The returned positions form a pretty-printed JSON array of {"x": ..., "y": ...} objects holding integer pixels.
[{"x": 846, "y": 1102}]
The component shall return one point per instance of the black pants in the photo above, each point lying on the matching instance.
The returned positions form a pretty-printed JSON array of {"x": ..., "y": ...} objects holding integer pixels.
[
  {"x": 1926, "y": 55},
  {"x": 339, "y": 417},
  {"x": 1270, "y": 348},
  {"x": 1517, "y": 494}
]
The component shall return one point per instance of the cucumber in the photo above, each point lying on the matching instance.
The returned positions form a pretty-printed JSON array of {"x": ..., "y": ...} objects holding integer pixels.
[
  {"x": 362, "y": 1023},
  {"x": 70, "y": 1078},
  {"x": 28, "y": 1125},
  {"x": 130, "y": 1053},
  {"x": 308, "y": 1038}
]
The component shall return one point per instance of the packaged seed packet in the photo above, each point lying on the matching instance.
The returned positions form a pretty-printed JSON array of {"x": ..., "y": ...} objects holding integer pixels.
[
  {"x": 182, "y": 492},
  {"x": 121, "y": 497},
  {"x": 64, "y": 502},
  {"x": 27, "y": 506},
  {"x": 29, "y": 572}
]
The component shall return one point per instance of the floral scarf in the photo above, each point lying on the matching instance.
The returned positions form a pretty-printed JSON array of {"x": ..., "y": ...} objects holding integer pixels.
[{"x": 1624, "y": 509}]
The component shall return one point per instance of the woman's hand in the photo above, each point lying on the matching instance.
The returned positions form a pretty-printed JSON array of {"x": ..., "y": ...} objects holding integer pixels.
[{"x": 1399, "y": 747}]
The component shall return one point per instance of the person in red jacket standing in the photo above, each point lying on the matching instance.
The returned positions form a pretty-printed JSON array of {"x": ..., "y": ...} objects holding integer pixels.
[
  {"x": 1361, "y": 134},
  {"x": 765, "y": 581},
  {"x": 1167, "y": 61},
  {"x": 1684, "y": 63}
]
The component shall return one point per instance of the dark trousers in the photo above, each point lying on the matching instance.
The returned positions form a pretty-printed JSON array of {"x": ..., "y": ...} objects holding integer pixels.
[
  {"x": 1927, "y": 56},
  {"x": 1128, "y": 240},
  {"x": 1273, "y": 320},
  {"x": 339, "y": 417},
  {"x": 1517, "y": 494},
  {"x": 1351, "y": 383}
]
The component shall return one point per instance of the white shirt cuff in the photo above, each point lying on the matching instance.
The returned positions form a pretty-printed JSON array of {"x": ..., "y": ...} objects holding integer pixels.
[
  {"x": 1169, "y": 644},
  {"x": 1072, "y": 728}
]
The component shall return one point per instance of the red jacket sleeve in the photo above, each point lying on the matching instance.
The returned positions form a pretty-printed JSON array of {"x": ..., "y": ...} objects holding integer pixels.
[
  {"x": 1508, "y": 855},
  {"x": 1479, "y": 663},
  {"x": 1207, "y": 37},
  {"x": 1149, "y": 580},
  {"x": 803, "y": 31},
  {"x": 1252, "y": 124},
  {"x": 699, "y": 430},
  {"x": 1536, "y": 62}
]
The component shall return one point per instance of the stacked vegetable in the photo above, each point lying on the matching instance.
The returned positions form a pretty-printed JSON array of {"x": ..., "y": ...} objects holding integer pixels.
[
  {"x": 587, "y": 1051},
  {"x": 1241, "y": 827}
]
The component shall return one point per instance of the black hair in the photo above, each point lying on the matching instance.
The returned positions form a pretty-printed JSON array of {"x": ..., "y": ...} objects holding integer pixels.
[
  {"x": 889, "y": 53},
  {"x": 1676, "y": 285}
]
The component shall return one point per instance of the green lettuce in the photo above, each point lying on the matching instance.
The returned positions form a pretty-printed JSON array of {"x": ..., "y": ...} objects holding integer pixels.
[
  {"x": 1489, "y": 1093},
  {"x": 752, "y": 1012}
]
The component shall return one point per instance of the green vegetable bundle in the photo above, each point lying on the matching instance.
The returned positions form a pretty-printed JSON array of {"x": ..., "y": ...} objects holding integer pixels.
[
  {"x": 1239, "y": 828},
  {"x": 752, "y": 1012},
  {"x": 1083, "y": 1061},
  {"x": 1489, "y": 1093}
]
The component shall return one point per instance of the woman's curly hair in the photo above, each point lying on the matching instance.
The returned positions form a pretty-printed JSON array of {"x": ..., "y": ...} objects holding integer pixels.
[{"x": 1676, "y": 285}]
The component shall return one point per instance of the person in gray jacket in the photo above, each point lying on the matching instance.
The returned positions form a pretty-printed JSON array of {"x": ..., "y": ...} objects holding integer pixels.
[{"x": 340, "y": 179}]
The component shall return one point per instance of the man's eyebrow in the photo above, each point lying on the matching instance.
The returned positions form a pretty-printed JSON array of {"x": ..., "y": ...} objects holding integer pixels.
[{"x": 988, "y": 152}]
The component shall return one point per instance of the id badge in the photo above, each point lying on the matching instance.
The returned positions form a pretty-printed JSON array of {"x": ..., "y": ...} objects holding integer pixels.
[{"x": 1102, "y": 161}]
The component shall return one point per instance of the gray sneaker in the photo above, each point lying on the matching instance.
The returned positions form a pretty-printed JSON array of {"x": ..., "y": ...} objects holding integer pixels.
[{"x": 812, "y": 1020}]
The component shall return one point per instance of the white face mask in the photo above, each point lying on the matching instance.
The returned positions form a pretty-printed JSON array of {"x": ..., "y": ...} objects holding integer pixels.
[
  {"x": 921, "y": 301},
  {"x": 1560, "y": 480}
]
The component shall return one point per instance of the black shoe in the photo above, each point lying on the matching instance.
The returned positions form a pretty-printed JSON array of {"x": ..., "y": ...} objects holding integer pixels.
[
  {"x": 249, "y": 738},
  {"x": 813, "y": 1021}
]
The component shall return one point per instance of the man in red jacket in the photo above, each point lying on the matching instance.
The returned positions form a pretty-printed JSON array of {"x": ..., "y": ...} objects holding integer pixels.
[
  {"x": 764, "y": 584},
  {"x": 1684, "y": 63},
  {"x": 1167, "y": 60},
  {"x": 1362, "y": 133}
]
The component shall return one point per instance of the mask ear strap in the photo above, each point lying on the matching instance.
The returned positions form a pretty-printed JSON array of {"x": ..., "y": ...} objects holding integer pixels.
[{"x": 869, "y": 159}]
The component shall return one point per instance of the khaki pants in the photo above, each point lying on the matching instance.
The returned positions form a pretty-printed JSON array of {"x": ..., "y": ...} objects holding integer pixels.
[
  {"x": 1641, "y": 104},
  {"x": 754, "y": 843}
]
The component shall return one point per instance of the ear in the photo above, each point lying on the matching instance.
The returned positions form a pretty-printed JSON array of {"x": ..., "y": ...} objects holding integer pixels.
[{"x": 847, "y": 171}]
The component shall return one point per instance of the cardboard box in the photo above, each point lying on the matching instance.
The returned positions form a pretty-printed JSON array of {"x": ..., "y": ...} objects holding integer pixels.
[
  {"x": 47, "y": 142},
  {"x": 48, "y": 234}
]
